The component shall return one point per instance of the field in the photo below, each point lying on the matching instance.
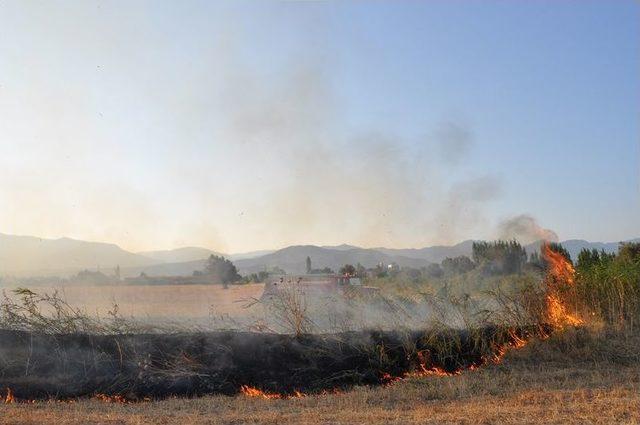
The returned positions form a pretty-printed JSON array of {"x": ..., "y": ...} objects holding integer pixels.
[
  {"x": 575, "y": 378},
  {"x": 564, "y": 351},
  {"x": 180, "y": 302}
]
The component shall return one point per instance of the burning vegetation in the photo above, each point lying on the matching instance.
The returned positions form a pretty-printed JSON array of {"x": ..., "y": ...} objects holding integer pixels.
[
  {"x": 560, "y": 281},
  {"x": 58, "y": 352}
]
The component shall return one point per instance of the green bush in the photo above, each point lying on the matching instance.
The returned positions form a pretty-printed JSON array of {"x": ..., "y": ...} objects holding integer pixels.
[{"x": 609, "y": 286}]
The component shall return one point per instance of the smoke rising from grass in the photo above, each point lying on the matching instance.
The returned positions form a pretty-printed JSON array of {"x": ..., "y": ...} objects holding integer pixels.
[{"x": 525, "y": 229}]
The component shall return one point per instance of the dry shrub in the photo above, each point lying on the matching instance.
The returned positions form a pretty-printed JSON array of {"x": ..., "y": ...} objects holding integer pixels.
[
  {"x": 113, "y": 355},
  {"x": 52, "y": 314},
  {"x": 287, "y": 308}
]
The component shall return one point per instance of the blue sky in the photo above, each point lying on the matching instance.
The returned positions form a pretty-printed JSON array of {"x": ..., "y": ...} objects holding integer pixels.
[{"x": 249, "y": 125}]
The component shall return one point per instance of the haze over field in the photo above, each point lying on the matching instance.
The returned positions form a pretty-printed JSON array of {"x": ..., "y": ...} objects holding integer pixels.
[
  {"x": 32, "y": 256},
  {"x": 312, "y": 212},
  {"x": 242, "y": 126}
]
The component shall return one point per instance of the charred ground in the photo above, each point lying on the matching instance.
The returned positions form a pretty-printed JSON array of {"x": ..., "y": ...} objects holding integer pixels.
[
  {"x": 579, "y": 376},
  {"x": 41, "y": 366}
]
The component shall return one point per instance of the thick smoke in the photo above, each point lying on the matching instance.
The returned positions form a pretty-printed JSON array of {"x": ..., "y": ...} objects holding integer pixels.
[{"x": 525, "y": 229}]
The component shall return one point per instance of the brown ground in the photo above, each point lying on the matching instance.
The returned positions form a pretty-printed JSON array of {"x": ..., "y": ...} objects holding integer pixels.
[
  {"x": 168, "y": 301},
  {"x": 569, "y": 380}
]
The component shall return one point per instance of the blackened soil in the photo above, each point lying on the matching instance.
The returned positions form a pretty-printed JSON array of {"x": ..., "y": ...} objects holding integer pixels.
[{"x": 39, "y": 366}]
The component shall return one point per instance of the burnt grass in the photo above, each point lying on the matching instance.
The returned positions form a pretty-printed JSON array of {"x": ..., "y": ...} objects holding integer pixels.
[{"x": 136, "y": 366}]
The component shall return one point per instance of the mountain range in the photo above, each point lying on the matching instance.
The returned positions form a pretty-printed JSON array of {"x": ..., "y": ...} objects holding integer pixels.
[
  {"x": 33, "y": 256},
  {"x": 22, "y": 255},
  {"x": 179, "y": 255}
]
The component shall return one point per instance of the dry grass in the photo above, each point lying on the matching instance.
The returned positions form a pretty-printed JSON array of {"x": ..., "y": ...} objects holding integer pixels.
[
  {"x": 580, "y": 377},
  {"x": 166, "y": 301},
  {"x": 575, "y": 377}
]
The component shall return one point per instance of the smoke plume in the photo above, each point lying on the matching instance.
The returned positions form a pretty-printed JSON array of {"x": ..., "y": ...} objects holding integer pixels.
[{"x": 525, "y": 229}]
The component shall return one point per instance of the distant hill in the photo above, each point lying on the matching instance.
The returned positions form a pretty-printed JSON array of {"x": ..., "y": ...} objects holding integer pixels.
[
  {"x": 433, "y": 254},
  {"x": 251, "y": 254},
  {"x": 292, "y": 259},
  {"x": 179, "y": 255},
  {"x": 185, "y": 268},
  {"x": 574, "y": 246},
  {"x": 343, "y": 247},
  {"x": 33, "y": 256},
  {"x": 22, "y": 255}
]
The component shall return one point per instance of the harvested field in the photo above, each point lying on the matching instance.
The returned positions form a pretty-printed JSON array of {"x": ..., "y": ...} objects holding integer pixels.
[{"x": 179, "y": 302}]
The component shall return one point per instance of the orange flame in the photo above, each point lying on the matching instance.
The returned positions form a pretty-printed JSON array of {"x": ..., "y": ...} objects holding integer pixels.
[
  {"x": 256, "y": 392},
  {"x": 560, "y": 269},
  {"x": 434, "y": 371},
  {"x": 388, "y": 379},
  {"x": 517, "y": 341},
  {"x": 117, "y": 398},
  {"x": 9, "y": 399},
  {"x": 560, "y": 272}
]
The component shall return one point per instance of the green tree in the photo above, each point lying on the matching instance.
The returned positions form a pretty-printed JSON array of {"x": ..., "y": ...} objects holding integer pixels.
[
  {"x": 348, "y": 270},
  {"x": 434, "y": 270},
  {"x": 629, "y": 251},
  {"x": 457, "y": 265},
  {"x": 308, "y": 263},
  {"x": 557, "y": 247},
  {"x": 221, "y": 270},
  {"x": 499, "y": 257},
  {"x": 588, "y": 258}
]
